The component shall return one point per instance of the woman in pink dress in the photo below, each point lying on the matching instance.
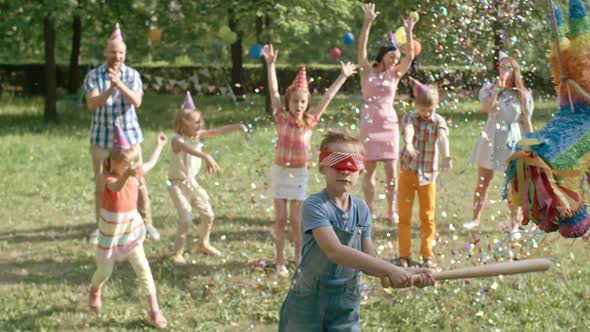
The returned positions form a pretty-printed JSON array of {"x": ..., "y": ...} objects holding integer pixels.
[{"x": 379, "y": 128}]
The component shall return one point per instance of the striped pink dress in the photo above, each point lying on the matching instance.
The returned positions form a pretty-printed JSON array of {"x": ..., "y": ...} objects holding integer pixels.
[{"x": 121, "y": 228}]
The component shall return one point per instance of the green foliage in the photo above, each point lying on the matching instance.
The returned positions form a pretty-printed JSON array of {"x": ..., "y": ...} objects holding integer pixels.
[
  {"x": 47, "y": 210},
  {"x": 183, "y": 60},
  {"x": 164, "y": 77},
  {"x": 452, "y": 32}
]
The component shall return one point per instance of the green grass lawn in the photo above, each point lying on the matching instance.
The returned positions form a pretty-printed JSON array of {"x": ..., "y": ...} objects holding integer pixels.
[{"x": 47, "y": 210}]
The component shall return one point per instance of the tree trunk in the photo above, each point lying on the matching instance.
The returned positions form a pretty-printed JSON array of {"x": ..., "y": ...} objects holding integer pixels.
[
  {"x": 267, "y": 103},
  {"x": 237, "y": 65},
  {"x": 74, "y": 71},
  {"x": 50, "y": 71}
]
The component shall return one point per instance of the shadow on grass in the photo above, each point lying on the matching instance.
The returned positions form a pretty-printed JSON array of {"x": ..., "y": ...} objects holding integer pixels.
[
  {"x": 48, "y": 234},
  {"x": 78, "y": 270},
  {"x": 30, "y": 321},
  {"x": 47, "y": 271}
]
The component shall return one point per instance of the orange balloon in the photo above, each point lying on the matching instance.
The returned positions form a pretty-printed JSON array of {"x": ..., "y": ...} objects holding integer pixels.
[
  {"x": 155, "y": 35},
  {"x": 417, "y": 47}
]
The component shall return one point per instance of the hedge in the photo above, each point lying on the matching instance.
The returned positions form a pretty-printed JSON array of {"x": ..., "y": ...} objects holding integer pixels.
[{"x": 28, "y": 79}]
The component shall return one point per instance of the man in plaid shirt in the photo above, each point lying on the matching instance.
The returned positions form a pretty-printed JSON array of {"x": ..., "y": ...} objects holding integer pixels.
[{"x": 113, "y": 92}]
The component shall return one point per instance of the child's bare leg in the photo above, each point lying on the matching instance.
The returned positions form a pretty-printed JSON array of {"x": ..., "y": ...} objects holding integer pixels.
[
  {"x": 185, "y": 216},
  {"x": 484, "y": 179},
  {"x": 515, "y": 217},
  {"x": 280, "y": 212},
  {"x": 295, "y": 220},
  {"x": 205, "y": 246},
  {"x": 182, "y": 231}
]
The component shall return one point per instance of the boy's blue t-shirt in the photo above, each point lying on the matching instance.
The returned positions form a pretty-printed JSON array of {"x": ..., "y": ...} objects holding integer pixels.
[{"x": 319, "y": 210}]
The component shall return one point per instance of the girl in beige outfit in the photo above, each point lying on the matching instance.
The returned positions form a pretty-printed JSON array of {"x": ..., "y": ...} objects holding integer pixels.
[{"x": 184, "y": 189}]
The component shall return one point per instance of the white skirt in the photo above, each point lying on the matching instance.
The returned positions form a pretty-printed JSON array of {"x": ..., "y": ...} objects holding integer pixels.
[{"x": 289, "y": 183}]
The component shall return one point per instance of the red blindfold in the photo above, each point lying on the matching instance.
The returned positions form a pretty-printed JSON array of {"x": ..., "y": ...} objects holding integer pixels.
[{"x": 352, "y": 162}]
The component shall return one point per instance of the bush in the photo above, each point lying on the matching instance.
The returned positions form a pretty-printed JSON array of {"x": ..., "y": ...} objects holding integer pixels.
[{"x": 211, "y": 80}]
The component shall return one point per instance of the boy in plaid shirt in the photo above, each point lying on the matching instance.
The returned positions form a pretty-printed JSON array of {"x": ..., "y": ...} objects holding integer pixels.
[{"x": 423, "y": 130}]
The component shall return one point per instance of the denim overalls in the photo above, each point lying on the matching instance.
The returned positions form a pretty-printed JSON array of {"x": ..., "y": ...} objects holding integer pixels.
[{"x": 325, "y": 296}]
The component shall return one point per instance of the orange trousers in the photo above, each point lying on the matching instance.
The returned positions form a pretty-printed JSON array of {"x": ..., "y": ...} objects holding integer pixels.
[{"x": 407, "y": 187}]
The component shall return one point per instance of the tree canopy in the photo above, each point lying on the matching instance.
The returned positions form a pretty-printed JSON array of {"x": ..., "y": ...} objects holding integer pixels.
[{"x": 452, "y": 32}]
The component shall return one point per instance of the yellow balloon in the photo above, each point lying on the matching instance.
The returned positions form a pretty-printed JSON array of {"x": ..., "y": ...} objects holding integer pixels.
[
  {"x": 415, "y": 16},
  {"x": 224, "y": 30},
  {"x": 400, "y": 35}
]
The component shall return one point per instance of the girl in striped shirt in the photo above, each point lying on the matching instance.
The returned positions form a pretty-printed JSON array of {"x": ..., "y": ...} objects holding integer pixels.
[
  {"x": 121, "y": 228},
  {"x": 295, "y": 124}
]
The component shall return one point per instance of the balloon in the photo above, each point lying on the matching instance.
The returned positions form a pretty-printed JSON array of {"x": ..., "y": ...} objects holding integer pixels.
[
  {"x": 415, "y": 16},
  {"x": 224, "y": 30},
  {"x": 335, "y": 53},
  {"x": 155, "y": 35},
  {"x": 348, "y": 38},
  {"x": 256, "y": 51},
  {"x": 417, "y": 47},
  {"x": 230, "y": 37},
  {"x": 400, "y": 35}
]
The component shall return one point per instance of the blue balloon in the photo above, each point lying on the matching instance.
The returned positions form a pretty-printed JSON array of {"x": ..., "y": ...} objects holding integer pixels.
[
  {"x": 256, "y": 51},
  {"x": 348, "y": 38}
]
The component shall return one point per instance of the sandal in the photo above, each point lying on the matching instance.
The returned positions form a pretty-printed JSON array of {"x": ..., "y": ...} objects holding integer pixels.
[
  {"x": 208, "y": 249},
  {"x": 94, "y": 299},
  {"x": 179, "y": 260},
  {"x": 158, "y": 320}
]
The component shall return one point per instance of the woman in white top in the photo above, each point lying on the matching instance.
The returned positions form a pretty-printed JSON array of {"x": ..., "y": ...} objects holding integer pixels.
[{"x": 509, "y": 106}]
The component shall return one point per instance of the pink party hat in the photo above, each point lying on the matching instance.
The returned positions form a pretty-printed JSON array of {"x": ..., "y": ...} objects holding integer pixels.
[
  {"x": 300, "y": 81},
  {"x": 116, "y": 36},
  {"x": 188, "y": 102},
  {"x": 120, "y": 143},
  {"x": 419, "y": 88}
]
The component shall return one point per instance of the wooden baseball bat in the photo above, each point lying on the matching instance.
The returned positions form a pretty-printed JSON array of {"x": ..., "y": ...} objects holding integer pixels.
[{"x": 495, "y": 269}]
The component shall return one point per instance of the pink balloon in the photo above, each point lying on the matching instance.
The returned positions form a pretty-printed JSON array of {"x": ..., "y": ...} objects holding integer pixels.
[{"x": 335, "y": 53}]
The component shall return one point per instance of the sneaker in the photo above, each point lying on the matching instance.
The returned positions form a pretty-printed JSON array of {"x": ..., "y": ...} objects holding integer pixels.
[
  {"x": 153, "y": 232},
  {"x": 282, "y": 270},
  {"x": 471, "y": 224},
  {"x": 94, "y": 299},
  {"x": 403, "y": 262},
  {"x": 93, "y": 237},
  {"x": 179, "y": 260},
  {"x": 427, "y": 263},
  {"x": 516, "y": 234},
  {"x": 208, "y": 249}
]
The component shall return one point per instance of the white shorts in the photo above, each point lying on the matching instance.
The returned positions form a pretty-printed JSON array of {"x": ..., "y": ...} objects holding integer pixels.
[{"x": 289, "y": 183}]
